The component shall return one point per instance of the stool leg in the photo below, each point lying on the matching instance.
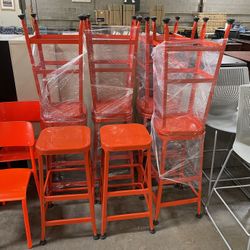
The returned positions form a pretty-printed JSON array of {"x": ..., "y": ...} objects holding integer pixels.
[
  {"x": 26, "y": 223},
  {"x": 160, "y": 183},
  {"x": 105, "y": 195},
  {"x": 90, "y": 193},
  {"x": 132, "y": 170},
  {"x": 149, "y": 186},
  {"x": 34, "y": 170},
  {"x": 42, "y": 205},
  {"x": 139, "y": 170},
  {"x": 101, "y": 175},
  {"x": 200, "y": 181},
  {"x": 96, "y": 130}
]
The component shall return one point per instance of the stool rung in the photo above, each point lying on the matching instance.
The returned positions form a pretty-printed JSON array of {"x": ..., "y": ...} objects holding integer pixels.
[
  {"x": 52, "y": 223},
  {"x": 68, "y": 189},
  {"x": 127, "y": 192},
  {"x": 66, "y": 197},
  {"x": 124, "y": 166},
  {"x": 68, "y": 163},
  {"x": 127, "y": 216},
  {"x": 179, "y": 202},
  {"x": 56, "y": 170},
  {"x": 126, "y": 185},
  {"x": 120, "y": 177}
]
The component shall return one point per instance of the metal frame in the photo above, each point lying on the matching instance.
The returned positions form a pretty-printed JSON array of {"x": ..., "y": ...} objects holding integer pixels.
[
  {"x": 186, "y": 135},
  {"x": 40, "y": 69},
  {"x": 215, "y": 189},
  {"x": 132, "y": 41}
]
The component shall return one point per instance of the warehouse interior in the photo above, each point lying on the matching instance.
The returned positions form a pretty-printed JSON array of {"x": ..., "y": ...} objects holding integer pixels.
[{"x": 124, "y": 124}]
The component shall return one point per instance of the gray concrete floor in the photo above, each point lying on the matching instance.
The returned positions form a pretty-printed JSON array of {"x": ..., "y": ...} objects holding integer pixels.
[{"x": 179, "y": 229}]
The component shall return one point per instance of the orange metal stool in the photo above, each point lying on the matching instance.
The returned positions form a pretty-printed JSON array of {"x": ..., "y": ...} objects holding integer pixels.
[
  {"x": 60, "y": 141},
  {"x": 119, "y": 138},
  {"x": 14, "y": 182}
]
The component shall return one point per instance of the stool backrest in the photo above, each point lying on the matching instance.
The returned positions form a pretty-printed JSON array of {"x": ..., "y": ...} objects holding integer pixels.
[
  {"x": 226, "y": 92},
  {"x": 20, "y": 111}
]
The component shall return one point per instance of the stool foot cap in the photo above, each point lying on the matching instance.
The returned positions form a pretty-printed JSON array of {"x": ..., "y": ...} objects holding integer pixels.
[
  {"x": 103, "y": 237},
  {"x": 43, "y": 242},
  {"x": 155, "y": 222},
  {"x": 199, "y": 216},
  {"x": 141, "y": 197},
  {"x": 96, "y": 237},
  {"x": 152, "y": 231}
]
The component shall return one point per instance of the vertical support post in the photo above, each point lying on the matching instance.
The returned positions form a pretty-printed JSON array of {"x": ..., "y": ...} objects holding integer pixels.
[
  {"x": 194, "y": 29},
  {"x": 176, "y": 25}
]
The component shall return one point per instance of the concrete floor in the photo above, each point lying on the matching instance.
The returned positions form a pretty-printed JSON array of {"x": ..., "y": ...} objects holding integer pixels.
[{"x": 178, "y": 229}]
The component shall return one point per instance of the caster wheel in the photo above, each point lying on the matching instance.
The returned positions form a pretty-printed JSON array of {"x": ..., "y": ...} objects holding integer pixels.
[
  {"x": 96, "y": 237},
  {"x": 43, "y": 243},
  {"x": 103, "y": 237},
  {"x": 141, "y": 197},
  {"x": 152, "y": 231},
  {"x": 155, "y": 222},
  {"x": 199, "y": 216}
]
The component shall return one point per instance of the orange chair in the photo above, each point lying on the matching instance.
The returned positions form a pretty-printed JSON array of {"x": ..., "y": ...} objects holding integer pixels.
[
  {"x": 55, "y": 141},
  {"x": 120, "y": 138},
  {"x": 14, "y": 182},
  {"x": 19, "y": 111}
]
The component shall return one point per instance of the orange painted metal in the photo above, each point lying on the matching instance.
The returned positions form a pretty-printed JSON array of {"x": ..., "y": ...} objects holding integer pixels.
[
  {"x": 177, "y": 128},
  {"x": 55, "y": 141},
  {"x": 42, "y": 69},
  {"x": 126, "y": 137},
  {"x": 14, "y": 182},
  {"x": 96, "y": 66},
  {"x": 145, "y": 104}
]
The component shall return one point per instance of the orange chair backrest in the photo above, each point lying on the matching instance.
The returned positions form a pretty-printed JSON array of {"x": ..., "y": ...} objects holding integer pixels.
[
  {"x": 20, "y": 111},
  {"x": 16, "y": 134}
]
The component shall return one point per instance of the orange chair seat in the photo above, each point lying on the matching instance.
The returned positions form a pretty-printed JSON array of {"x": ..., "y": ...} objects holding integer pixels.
[
  {"x": 13, "y": 184},
  {"x": 121, "y": 137},
  {"x": 179, "y": 125},
  {"x": 113, "y": 108},
  {"x": 145, "y": 105},
  {"x": 63, "y": 111},
  {"x": 8, "y": 154},
  {"x": 60, "y": 140}
]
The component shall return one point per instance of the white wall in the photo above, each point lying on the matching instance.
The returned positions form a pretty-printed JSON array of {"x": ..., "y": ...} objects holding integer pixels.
[{"x": 10, "y": 17}]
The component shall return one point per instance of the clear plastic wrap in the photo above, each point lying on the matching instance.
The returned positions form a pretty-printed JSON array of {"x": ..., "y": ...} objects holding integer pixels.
[
  {"x": 59, "y": 72},
  {"x": 144, "y": 76},
  {"x": 60, "y": 94},
  {"x": 111, "y": 56},
  {"x": 185, "y": 73}
]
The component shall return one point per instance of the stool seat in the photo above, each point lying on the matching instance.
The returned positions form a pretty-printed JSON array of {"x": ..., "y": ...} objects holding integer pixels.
[
  {"x": 119, "y": 137},
  {"x": 13, "y": 184},
  {"x": 60, "y": 140}
]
